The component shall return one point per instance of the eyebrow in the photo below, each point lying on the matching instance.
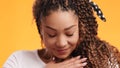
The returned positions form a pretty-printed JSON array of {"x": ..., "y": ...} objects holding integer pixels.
[
  {"x": 70, "y": 27},
  {"x": 64, "y": 29},
  {"x": 51, "y": 28}
]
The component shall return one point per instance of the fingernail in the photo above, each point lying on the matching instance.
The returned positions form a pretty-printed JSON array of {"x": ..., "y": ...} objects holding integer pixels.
[
  {"x": 85, "y": 63},
  {"x": 78, "y": 57},
  {"x": 85, "y": 58}
]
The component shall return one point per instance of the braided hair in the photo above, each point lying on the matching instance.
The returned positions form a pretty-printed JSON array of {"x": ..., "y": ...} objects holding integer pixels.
[{"x": 100, "y": 54}]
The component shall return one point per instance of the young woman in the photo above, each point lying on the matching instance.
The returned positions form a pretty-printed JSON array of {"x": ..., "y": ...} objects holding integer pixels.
[{"x": 68, "y": 30}]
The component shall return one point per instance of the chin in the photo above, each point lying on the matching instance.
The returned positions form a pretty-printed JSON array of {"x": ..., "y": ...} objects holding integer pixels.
[{"x": 62, "y": 56}]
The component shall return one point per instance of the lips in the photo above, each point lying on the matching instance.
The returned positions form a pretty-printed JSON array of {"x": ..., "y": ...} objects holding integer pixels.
[{"x": 62, "y": 51}]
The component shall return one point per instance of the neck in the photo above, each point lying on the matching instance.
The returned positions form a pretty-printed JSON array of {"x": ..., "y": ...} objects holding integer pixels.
[
  {"x": 47, "y": 57},
  {"x": 60, "y": 60}
]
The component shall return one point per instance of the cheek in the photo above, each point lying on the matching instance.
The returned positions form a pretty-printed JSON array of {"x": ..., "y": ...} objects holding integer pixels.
[
  {"x": 73, "y": 41},
  {"x": 75, "y": 38},
  {"x": 49, "y": 43}
]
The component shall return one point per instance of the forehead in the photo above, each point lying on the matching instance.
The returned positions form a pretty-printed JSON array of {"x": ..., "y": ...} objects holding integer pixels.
[{"x": 60, "y": 19}]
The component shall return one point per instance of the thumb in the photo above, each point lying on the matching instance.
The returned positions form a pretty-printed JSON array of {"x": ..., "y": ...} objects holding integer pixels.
[{"x": 52, "y": 62}]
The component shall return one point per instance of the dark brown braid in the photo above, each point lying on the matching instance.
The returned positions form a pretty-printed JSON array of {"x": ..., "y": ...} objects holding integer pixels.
[{"x": 99, "y": 53}]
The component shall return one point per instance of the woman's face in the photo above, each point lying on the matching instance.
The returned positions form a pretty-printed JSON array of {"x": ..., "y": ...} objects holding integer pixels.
[{"x": 60, "y": 33}]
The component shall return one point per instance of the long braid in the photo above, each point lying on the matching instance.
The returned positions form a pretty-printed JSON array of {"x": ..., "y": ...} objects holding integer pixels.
[
  {"x": 91, "y": 46},
  {"x": 98, "y": 52}
]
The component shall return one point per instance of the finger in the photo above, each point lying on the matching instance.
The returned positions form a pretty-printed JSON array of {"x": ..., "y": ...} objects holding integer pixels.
[
  {"x": 52, "y": 62},
  {"x": 82, "y": 60},
  {"x": 78, "y": 57},
  {"x": 77, "y": 63},
  {"x": 83, "y": 64},
  {"x": 71, "y": 60},
  {"x": 80, "y": 65}
]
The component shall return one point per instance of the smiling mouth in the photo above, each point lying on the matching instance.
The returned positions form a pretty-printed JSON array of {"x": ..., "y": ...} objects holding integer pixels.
[{"x": 62, "y": 51}]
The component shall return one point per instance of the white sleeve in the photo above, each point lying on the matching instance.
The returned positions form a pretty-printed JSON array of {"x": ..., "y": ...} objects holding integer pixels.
[{"x": 11, "y": 62}]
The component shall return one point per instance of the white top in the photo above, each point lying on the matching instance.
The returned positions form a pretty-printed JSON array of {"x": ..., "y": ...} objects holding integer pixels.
[
  {"x": 24, "y": 59},
  {"x": 28, "y": 59}
]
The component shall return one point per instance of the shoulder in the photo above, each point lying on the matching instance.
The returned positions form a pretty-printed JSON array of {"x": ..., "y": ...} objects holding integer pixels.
[
  {"x": 114, "y": 58},
  {"x": 19, "y": 58},
  {"x": 111, "y": 48},
  {"x": 23, "y": 53}
]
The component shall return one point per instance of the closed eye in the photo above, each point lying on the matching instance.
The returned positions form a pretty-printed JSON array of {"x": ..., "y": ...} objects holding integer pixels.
[
  {"x": 69, "y": 34},
  {"x": 51, "y": 35}
]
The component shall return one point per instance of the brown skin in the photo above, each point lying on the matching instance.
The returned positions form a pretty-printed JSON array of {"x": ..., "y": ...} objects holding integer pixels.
[
  {"x": 60, "y": 34},
  {"x": 75, "y": 62},
  {"x": 71, "y": 63},
  {"x": 96, "y": 50}
]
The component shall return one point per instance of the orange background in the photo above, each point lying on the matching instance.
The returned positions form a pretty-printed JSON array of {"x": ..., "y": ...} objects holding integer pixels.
[{"x": 18, "y": 30}]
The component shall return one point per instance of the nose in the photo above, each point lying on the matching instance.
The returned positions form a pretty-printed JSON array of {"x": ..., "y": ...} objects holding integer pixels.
[{"x": 61, "y": 42}]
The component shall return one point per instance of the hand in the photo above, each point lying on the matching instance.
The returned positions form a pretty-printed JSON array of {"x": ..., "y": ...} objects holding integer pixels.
[{"x": 75, "y": 62}]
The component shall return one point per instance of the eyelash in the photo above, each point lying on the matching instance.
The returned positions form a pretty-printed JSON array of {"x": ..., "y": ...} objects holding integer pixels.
[
  {"x": 69, "y": 34},
  {"x": 51, "y": 35}
]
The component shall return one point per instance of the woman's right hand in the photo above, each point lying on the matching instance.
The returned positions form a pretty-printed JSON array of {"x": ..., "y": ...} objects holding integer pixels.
[{"x": 75, "y": 62}]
